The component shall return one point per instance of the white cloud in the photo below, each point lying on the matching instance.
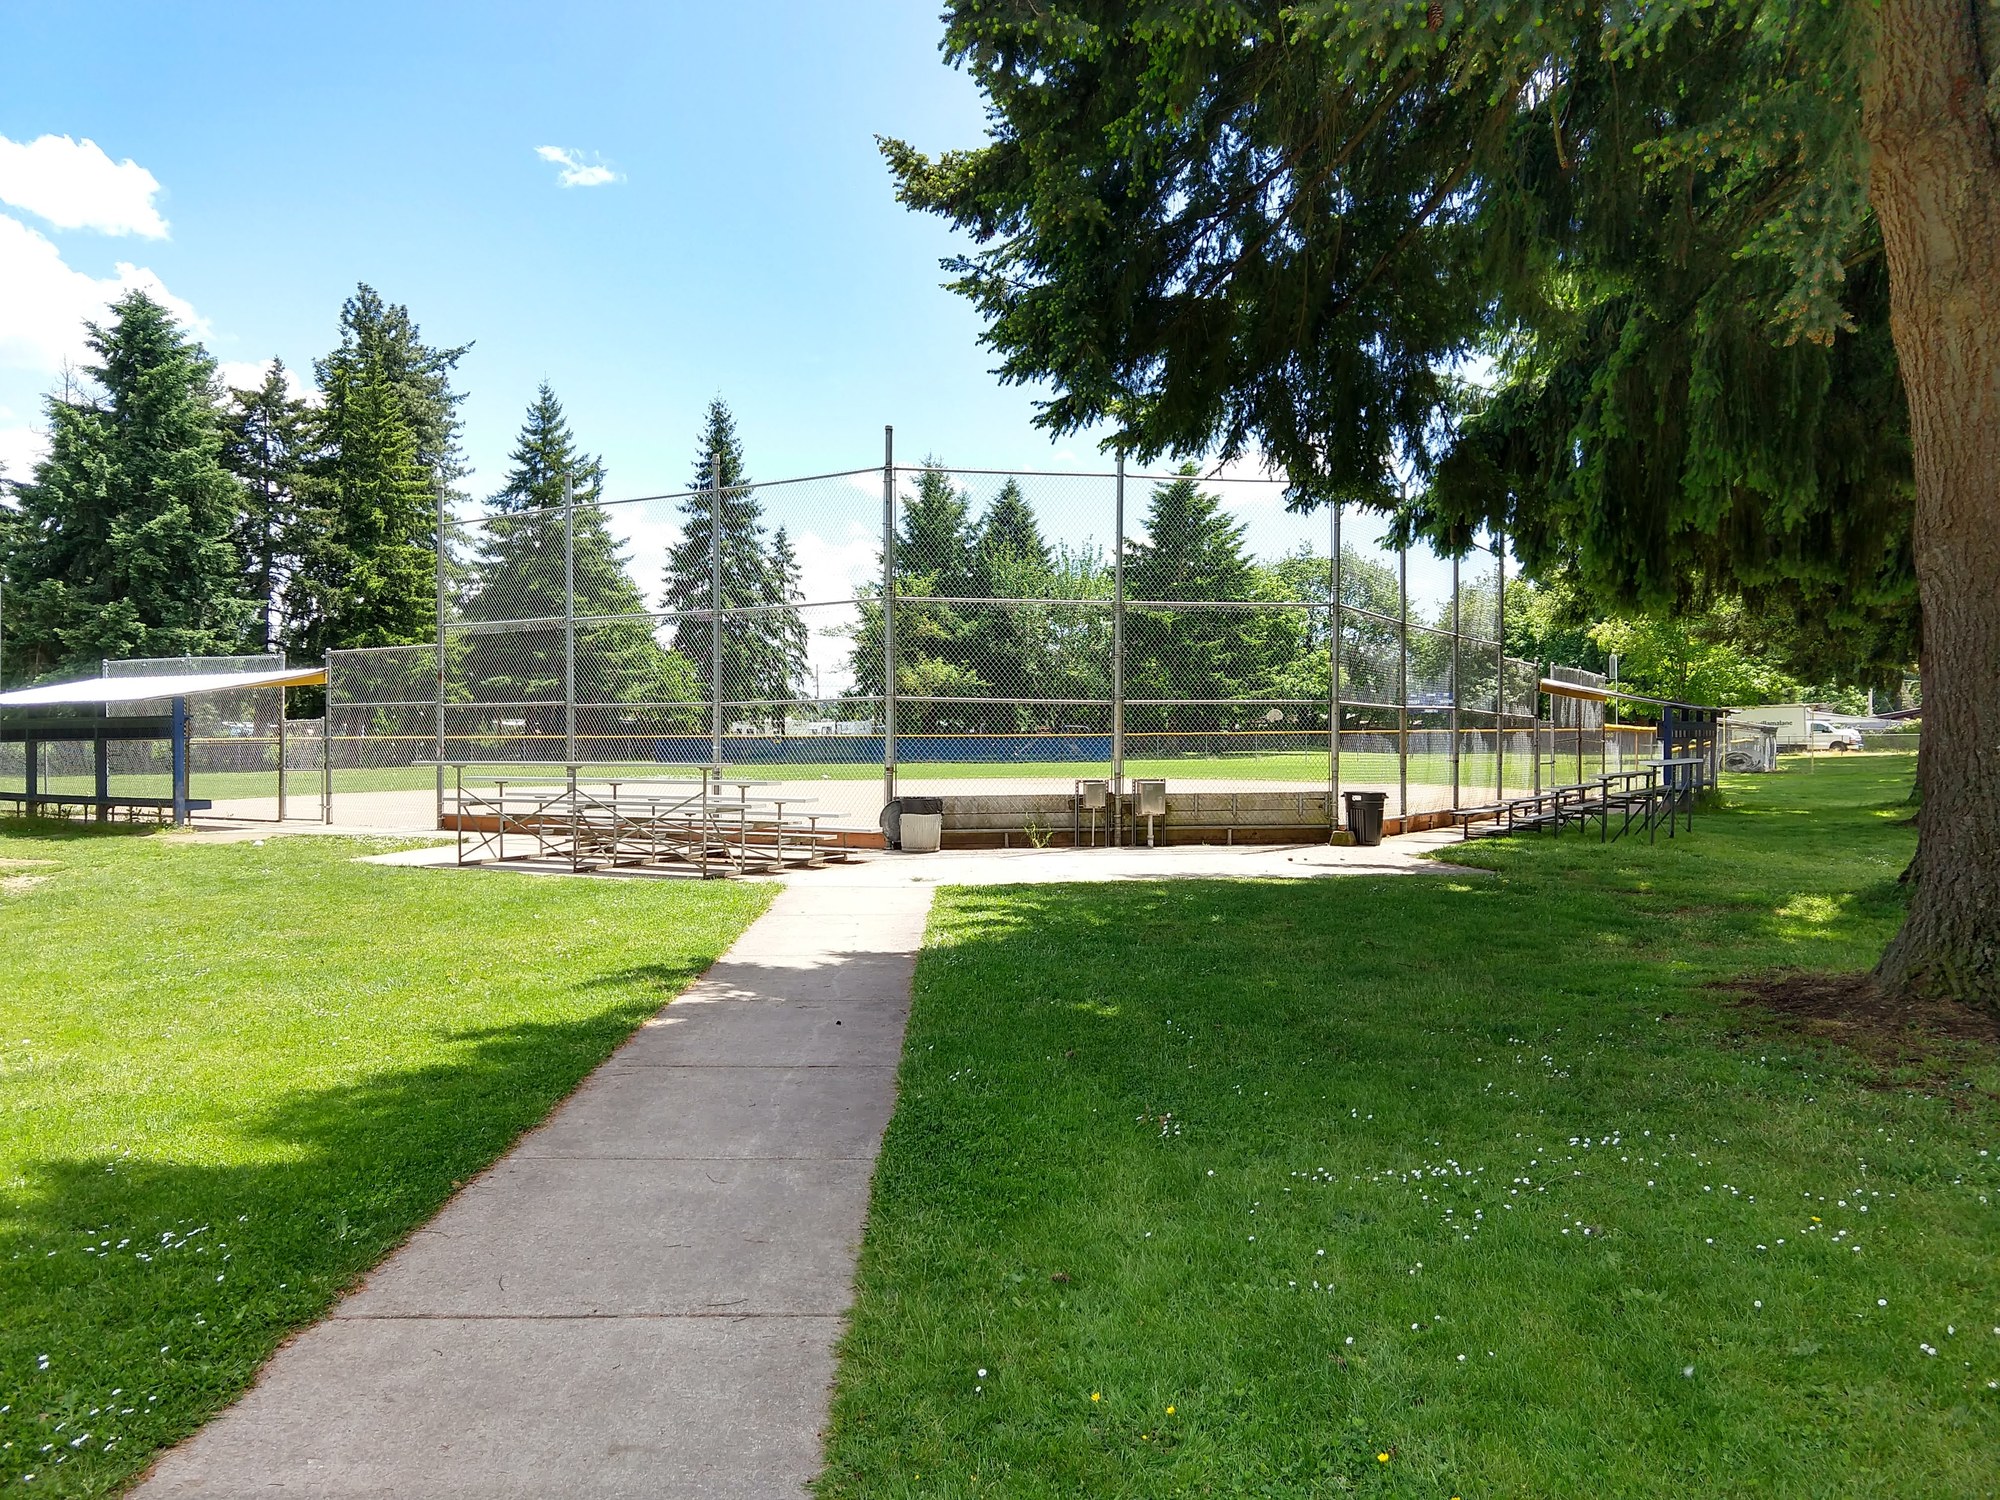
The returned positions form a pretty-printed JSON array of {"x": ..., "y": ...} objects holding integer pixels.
[
  {"x": 248, "y": 375},
  {"x": 21, "y": 448},
  {"x": 74, "y": 185},
  {"x": 576, "y": 172},
  {"x": 44, "y": 302}
]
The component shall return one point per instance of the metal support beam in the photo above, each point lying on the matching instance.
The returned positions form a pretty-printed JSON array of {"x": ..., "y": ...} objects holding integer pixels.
[
  {"x": 1500, "y": 667},
  {"x": 569, "y": 620},
  {"x": 714, "y": 614},
  {"x": 888, "y": 615},
  {"x": 1118, "y": 634},
  {"x": 1333, "y": 675},
  {"x": 1455, "y": 635},
  {"x": 1403, "y": 683},
  {"x": 180, "y": 761},
  {"x": 437, "y": 706},
  {"x": 101, "y": 763}
]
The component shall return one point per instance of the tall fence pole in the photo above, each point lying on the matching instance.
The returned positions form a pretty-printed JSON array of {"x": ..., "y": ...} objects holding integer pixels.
[
  {"x": 1403, "y": 685},
  {"x": 1118, "y": 634},
  {"x": 715, "y": 614},
  {"x": 569, "y": 621},
  {"x": 1333, "y": 674},
  {"x": 1455, "y": 630},
  {"x": 437, "y": 706},
  {"x": 888, "y": 615},
  {"x": 326, "y": 745},
  {"x": 1500, "y": 667}
]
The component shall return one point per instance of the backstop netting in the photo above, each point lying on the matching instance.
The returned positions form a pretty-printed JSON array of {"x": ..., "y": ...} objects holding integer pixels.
[{"x": 954, "y": 631}]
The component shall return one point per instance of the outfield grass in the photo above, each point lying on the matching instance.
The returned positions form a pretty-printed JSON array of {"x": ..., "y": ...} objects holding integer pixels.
[
  {"x": 233, "y": 1076},
  {"x": 1459, "y": 1186},
  {"x": 1308, "y": 769}
]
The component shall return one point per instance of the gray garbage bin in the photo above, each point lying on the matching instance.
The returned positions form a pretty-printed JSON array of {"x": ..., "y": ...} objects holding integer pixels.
[
  {"x": 892, "y": 816},
  {"x": 1364, "y": 815}
]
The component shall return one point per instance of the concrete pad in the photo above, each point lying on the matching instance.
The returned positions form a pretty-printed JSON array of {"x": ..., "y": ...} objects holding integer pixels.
[
  {"x": 523, "y": 1409},
  {"x": 704, "y": 1112},
  {"x": 663, "y": 1238}
]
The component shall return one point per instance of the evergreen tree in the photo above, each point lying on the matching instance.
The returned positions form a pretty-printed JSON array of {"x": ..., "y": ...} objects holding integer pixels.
[
  {"x": 517, "y": 573},
  {"x": 367, "y": 577},
  {"x": 269, "y": 443},
  {"x": 389, "y": 447},
  {"x": 792, "y": 638},
  {"x": 121, "y": 543},
  {"x": 384, "y": 335},
  {"x": 1010, "y": 647},
  {"x": 933, "y": 560},
  {"x": 1191, "y": 551},
  {"x": 1284, "y": 224},
  {"x": 757, "y": 667}
]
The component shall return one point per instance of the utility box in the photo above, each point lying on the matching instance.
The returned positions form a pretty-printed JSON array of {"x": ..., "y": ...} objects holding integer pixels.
[
  {"x": 1149, "y": 799},
  {"x": 1093, "y": 796}
]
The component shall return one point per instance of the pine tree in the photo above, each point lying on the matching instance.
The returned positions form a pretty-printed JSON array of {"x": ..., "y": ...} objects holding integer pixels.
[
  {"x": 121, "y": 544},
  {"x": 1191, "y": 551},
  {"x": 389, "y": 435},
  {"x": 269, "y": 443},
  {"x": 1751, "y": 250},
  {"x": 517, "y": 573},
  {"x": 1011, "y": 647},
  {"x": 933, "y": 560},
  {"x": 793, "y": 640},
  {"x": 368, "y": 576},
  {"x": 757, "y": 671}
]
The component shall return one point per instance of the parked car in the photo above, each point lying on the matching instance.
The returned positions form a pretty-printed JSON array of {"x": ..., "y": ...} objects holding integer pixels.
[{"x": 1839, "y": 737}]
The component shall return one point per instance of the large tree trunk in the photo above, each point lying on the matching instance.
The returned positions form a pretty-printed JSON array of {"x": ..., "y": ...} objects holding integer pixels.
[{"x": 1934, "y": 181}]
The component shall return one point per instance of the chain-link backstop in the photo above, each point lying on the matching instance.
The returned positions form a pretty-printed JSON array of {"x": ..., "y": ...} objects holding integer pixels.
[{"x": 903, "y": 630}]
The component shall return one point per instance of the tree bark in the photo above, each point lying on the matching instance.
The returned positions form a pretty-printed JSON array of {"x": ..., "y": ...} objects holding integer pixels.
[{"x": 1934, "y": 182}]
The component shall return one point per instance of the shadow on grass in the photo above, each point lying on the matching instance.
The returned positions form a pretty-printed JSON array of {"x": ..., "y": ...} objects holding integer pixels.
[{"x": 169, "y": 1283}]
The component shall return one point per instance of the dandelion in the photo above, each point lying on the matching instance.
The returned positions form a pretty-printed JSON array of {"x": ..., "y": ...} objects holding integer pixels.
[
  {"x": 1096, "y": 1395},
  {"x": 1381, "y": 1458}
]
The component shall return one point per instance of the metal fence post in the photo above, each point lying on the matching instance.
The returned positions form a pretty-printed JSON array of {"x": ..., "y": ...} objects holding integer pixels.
[
  {"x": 282, "y": 755},
  {"x": 888, "y": 615},
  {"x": 437, "y": 707},
  {"x": 1500, "y": 667},
  {"x": 1333, "y": 676},
  {"x": 1118, "y": 635},
  {"x": 180, "y": 761},
  {"x": 1455, "y": 631},
  {"x": 569, "y": 621},
  {"x": 326, "y": 746},
  {"x": 715, "y": 613},
  {"x": 1403, "y": 685}
]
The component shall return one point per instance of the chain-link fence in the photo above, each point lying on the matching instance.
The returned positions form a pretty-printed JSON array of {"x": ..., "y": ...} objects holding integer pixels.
[
  {"x": 239, "y": 745},
  {"x": 928, "y": 630}
]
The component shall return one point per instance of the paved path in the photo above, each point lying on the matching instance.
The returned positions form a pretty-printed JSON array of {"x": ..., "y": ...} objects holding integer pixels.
[{"x": 641, "y": 1299}]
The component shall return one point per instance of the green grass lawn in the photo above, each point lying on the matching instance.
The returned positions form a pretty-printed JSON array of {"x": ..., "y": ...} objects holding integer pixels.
[
  {"x": 1458, "y": 1186},
  {"x": 232, "y": 1077}
]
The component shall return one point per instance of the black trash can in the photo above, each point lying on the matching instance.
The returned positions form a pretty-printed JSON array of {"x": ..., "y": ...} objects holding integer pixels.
[
  {"x": 1364, "y": 815},
  {"x": 892, "y": 816}
]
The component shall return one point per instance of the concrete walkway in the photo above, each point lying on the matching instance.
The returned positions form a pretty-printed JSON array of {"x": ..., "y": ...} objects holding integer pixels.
[{"x": 641, "y": 1299}]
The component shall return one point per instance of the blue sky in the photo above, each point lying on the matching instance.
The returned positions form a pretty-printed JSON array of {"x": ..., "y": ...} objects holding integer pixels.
[
  {"x": 750, "y": 246},
  {"x": 734, "y": 232}
]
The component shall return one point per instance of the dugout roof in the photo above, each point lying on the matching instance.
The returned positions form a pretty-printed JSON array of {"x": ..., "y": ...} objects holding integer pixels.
[{"x": 147, "y": 689}]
